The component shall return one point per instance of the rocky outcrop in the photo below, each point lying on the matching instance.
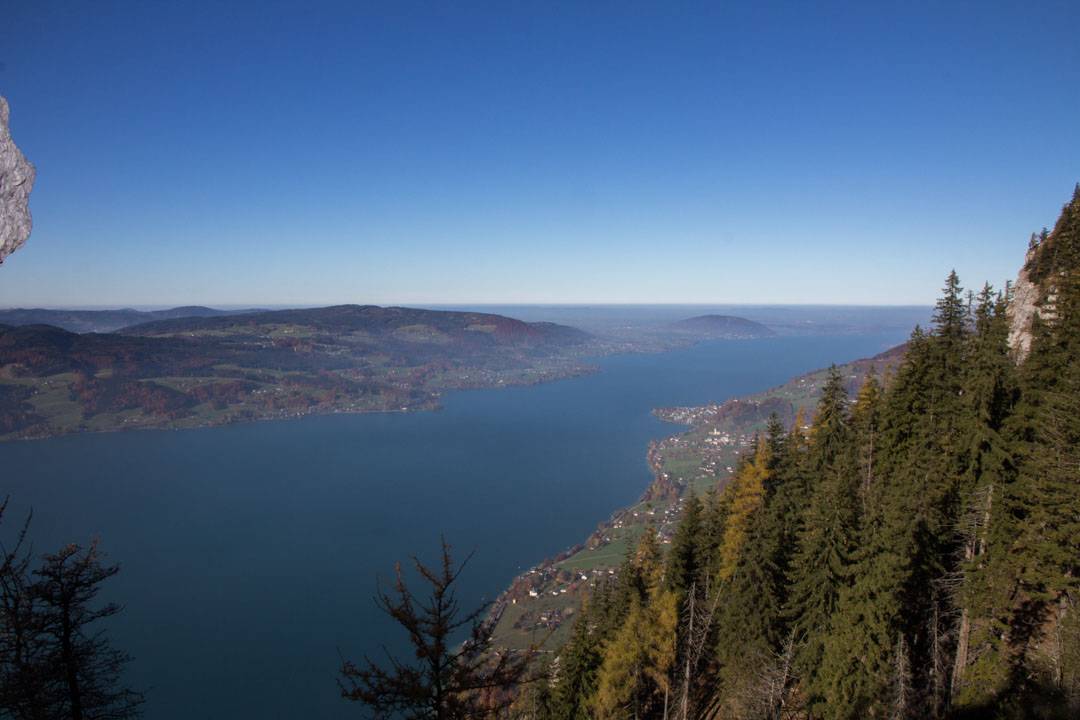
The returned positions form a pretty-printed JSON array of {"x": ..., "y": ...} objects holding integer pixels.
[
  {"x": 16, "y": 181},
  {"x": 1053, "y": 257},
  {"x": 1023, "y": 307}
]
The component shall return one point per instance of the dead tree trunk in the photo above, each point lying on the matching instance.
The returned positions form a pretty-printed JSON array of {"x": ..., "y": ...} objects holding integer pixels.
[{"x": 974, "y": 548}]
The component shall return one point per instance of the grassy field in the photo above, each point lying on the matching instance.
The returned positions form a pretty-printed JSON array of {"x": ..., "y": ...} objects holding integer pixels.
[{"x": 605, "y": 556}]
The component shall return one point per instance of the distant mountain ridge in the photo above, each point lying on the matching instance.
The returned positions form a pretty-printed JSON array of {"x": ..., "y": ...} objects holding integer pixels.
[
  {"x": 374, "y": 320},
  {"x": 82, "y": 321}
]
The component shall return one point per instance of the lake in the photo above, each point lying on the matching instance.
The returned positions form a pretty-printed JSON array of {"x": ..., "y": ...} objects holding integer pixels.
[{"x": 249, "y": 553}]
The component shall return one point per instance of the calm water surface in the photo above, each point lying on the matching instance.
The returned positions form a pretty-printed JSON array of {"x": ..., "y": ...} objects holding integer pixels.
[{"x": 249, "y": 552}]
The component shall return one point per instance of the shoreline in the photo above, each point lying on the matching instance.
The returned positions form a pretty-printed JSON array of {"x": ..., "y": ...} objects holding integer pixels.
[
  {"x": 432, "y": 403},
  {"x": 703, "y": 454},
  {"x": 581, "y": 364}
]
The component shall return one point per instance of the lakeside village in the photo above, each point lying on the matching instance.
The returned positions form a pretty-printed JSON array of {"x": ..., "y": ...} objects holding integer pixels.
[
  {"x": 540, "y": 604},
  {"x": 542, "y": 601}
]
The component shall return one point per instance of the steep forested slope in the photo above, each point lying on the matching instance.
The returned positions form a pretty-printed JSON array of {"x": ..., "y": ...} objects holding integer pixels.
[{"x": 911, "y": 553}]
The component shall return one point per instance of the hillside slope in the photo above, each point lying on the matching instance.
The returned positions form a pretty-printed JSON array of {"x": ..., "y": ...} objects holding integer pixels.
[
  {"x": 205, "y": 370},
  {"x": 546, "y": 598},
  {"x": 723, "y": 326},
  {"x": 909, "y": 550}
]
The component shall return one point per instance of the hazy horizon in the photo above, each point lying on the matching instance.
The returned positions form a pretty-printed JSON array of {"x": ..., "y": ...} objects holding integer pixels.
[
  {"x": 625, "y": 320},
  {"x": 452, "y": 305}
]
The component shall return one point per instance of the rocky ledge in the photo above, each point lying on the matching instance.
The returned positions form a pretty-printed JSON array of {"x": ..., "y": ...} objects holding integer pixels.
[{"x": 16, "y": 181}]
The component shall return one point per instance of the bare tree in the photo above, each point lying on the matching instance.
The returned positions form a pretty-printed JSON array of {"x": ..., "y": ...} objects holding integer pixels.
[
  {"x": 765, "y": 695},
  {"x": 55, "y": 661},
  {"x": 939, "y": 642},
  {"x": 698, "y": 613},
  {"x": 973, "y": 531},
  {"x": 448, "y": 681},
  {"x": 902, "y": 692},
  {"x": 86, "y": 669},
  {"x": 777, "y": 680},
  {"x": 23, "y": 667}
]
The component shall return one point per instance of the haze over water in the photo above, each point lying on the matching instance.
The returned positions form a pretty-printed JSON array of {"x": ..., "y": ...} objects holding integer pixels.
[{"x": 249, "y": 553}]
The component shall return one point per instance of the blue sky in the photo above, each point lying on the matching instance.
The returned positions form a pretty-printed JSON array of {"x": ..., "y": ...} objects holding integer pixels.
[{"x": 534, "y": 152}]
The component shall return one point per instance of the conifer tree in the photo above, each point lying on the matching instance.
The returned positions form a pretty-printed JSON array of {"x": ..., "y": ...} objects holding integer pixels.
[
  {"x": 685, "y": 560},
  {"x": 913, "y": 538},
  {"x": 866, "y": 426},
  {"x": 579, "y": 662},
  {"x": 786, "y": 498},
  {"x": 857, "y": 652},
  {"x": 634, "y": 677},
  {"x": 820, "y": 567},
  {"x": 988, "y": 474},
  {"x": 714, "y": 515},
  {"x": 451, "y": 680},
  {"x": 648, "y": 562},
  {"x": 829, "y": 432},
  {"x": 602, "y": 617},
  {"x": 750, "y": 622},
  {"x": 747, "y": 493},
  {"x": 951, "y": 313}
]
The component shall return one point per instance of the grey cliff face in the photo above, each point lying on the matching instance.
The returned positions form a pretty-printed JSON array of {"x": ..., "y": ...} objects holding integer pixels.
[
  {"x": 1023, "y": 308},
  {"x": 16, "y": 181}
]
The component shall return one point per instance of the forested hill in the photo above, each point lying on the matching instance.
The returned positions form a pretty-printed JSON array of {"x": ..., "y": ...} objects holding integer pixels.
[
  {"x": 372, "y": 322},
  {"x": 208, "y": 370},
  {"x": 912, "y": 552},
  {"x": 723, "y": 326}
]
